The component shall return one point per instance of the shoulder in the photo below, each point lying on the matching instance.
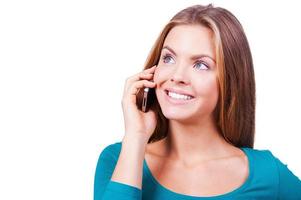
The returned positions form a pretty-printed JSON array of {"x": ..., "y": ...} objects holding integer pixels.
[
  {"x": 111, "y": 151},
  {"x": 265, "y": 157},
  {"x": 260, "y": 155},
  {"x": 263, "y": 160},
  {"x": 269, "y": 170},
  {"x": 263, "y": 168},
  {"x": 108, "y": 158}
]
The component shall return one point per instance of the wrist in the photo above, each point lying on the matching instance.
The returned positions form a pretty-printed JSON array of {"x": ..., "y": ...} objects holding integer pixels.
[{"x": 135, "y": 140}]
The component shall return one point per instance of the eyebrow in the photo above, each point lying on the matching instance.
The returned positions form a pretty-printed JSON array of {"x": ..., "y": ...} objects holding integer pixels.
[{"x": 194, "y": 57}]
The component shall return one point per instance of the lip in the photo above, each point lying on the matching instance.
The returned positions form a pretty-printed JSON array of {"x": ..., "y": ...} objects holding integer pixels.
[
  {"x": 178, "y": 91},
  {"x": 177, "y": 101}
]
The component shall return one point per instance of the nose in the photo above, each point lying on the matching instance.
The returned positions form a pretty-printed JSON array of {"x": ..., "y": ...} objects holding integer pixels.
[{"x": 179, "y": 75}]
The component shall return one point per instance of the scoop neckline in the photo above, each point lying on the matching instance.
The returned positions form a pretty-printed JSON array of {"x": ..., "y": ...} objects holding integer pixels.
[{"x": 190, "y": 197}]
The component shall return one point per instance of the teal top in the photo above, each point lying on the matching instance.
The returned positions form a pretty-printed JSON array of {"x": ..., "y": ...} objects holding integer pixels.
[{"x": 268, "y": 178}]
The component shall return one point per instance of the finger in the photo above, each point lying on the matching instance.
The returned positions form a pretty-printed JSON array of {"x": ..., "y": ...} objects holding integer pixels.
[
  {"x": 137, "y": 76},
  {"x": 150, "y": 70},
  {"x": 146, "y": 76},
  {"x": 132, "y": 79},
  {"x": 140, "y": 78},
  {"x": 140, "y": 84}
]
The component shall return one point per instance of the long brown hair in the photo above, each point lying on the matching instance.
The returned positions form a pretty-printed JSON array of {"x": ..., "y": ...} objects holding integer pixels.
[{"x": 235, "y": 110}]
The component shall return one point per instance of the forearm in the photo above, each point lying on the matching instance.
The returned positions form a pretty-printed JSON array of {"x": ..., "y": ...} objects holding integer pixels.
[{"x": 129, "y": 167}]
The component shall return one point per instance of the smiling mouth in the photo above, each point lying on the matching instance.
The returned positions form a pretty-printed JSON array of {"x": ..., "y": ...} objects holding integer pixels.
[{"x": 178, "y": 96}]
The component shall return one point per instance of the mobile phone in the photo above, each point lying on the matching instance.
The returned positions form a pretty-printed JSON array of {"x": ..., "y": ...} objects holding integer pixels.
[{"x": 147, "y": 99}]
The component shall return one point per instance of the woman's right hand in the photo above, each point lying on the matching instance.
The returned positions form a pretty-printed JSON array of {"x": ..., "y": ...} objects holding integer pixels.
[{"x": 138, "y": 124}]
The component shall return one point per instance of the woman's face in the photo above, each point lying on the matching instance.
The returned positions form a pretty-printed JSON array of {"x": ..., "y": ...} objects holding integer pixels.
[{"x": 186, "y": 75}]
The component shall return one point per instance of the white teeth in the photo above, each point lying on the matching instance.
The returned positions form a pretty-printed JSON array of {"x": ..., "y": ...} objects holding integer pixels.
[{"x": 178, "y": 96}]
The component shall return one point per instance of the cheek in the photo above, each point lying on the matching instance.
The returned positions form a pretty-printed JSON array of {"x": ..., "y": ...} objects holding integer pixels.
[
  {"x": 208, "y": 87},
  {"x": 158, "y": 75}
]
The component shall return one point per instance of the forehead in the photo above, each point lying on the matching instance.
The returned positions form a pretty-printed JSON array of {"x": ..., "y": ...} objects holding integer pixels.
[{"x": 191, "y": 40}]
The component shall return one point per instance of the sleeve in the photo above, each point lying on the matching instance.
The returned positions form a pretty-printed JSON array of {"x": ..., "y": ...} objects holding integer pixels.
[
  {"x": 104, "y": 188},
  {"x": 289, "y": 184}
]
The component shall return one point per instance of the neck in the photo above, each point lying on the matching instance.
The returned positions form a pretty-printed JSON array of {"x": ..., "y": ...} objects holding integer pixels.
[{"x": 194, "y": 142}]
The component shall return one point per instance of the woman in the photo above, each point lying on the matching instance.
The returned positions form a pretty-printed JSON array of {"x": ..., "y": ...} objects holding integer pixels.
[{"x": 196, "y": 140}]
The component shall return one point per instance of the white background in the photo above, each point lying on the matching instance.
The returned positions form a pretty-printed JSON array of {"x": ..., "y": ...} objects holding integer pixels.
[{"x": 63, "y": 66}]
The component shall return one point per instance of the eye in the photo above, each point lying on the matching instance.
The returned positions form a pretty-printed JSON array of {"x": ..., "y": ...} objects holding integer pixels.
[
  {"x": 201, "y": 66},
  {"x": 166, "y": 58}
]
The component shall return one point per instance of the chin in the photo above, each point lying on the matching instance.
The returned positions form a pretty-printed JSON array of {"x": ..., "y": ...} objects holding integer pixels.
[
  {"x": 174, "y": 114},
  {"x": 179, "y": 114}
]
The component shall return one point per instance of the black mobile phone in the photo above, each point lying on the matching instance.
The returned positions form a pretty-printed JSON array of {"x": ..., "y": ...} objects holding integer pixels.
[{"x": 148, "y": 98}]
